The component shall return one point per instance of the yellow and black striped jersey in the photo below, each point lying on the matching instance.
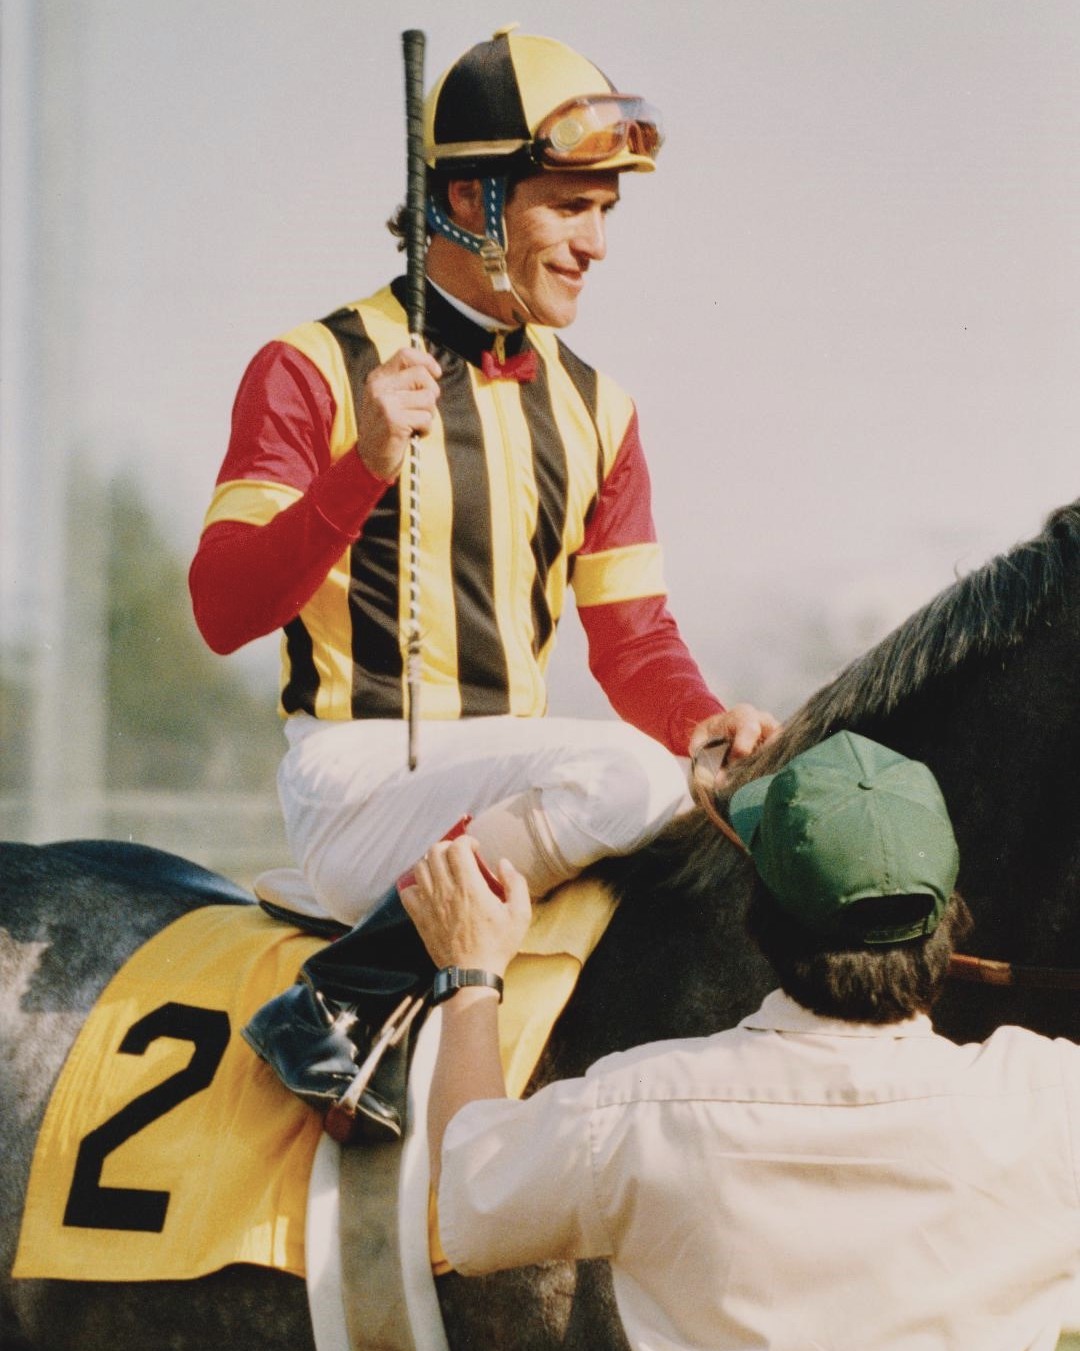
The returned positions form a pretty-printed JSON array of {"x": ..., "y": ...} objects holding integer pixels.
[{"x": 525, "y": 487}]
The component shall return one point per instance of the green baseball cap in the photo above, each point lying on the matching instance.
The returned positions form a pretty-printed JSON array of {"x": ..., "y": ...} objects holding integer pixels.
[{"x": 846, "y": 821}]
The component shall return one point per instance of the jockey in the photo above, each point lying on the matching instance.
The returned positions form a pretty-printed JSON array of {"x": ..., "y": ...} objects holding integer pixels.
[{"x": 530, "y": 477}]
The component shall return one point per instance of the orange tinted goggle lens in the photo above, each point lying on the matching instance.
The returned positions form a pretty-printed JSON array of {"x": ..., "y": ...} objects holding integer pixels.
[{"x": 590, "y": 130}]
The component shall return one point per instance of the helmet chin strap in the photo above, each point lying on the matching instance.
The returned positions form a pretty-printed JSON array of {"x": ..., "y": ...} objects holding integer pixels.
[{"x": 491, "y": 245}]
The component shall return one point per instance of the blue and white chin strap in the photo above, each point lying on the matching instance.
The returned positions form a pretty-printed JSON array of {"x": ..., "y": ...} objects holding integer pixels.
[{"x": 491, "y": 246}]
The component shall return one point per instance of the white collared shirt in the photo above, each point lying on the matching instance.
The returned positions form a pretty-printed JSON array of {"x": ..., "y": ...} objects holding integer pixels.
[{"x": 793, "y": 1183}]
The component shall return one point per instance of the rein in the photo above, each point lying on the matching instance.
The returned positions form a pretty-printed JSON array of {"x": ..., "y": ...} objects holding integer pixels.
[
  {"x": 985, "y": 971},
  {"x": 705, "y": 764},
  {"x": 973, "y": 970}
]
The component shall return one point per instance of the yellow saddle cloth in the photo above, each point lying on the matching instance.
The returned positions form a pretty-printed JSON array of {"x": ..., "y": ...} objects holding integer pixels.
[{"x": 169, "y": 1150}]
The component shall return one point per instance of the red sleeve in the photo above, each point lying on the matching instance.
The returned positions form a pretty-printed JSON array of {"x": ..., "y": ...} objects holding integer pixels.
[
  {"x": 638, "y": 656},
  {"x": 247, "y": 580},
  {"x": 623, "y": 512},
  {"x": 636, "y": 651}
]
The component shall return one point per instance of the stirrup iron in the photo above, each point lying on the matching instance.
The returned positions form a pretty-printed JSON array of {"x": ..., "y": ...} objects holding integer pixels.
[{"x": 340, "y": 1120}]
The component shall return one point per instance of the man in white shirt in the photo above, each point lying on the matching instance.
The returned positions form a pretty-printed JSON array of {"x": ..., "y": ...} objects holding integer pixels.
[{"x": 829, "y": 1174}]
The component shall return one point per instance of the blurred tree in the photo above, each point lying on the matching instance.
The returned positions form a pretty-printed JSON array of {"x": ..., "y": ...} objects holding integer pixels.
[
  {"x": 14, "y": 721},
  {"x": 178, "y": 717}
]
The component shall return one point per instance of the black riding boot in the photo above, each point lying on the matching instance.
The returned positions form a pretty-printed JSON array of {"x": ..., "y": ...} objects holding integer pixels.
[{"x": 318, "y": 1033}]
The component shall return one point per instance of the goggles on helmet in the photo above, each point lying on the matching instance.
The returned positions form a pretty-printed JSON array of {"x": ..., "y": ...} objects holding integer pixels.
[{"x": 596, "y": 128}]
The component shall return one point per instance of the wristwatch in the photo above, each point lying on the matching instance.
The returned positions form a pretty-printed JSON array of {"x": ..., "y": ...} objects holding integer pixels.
[{"x": 451, "y": 979}]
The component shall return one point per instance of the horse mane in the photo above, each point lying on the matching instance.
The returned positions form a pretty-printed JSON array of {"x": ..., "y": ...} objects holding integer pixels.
[
  {"x": 691, "y": 885},
  {"x": 990, "y": 609}
]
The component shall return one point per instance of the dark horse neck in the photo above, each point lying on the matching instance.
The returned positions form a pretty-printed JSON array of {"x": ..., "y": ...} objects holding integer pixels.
[{"x": 984, "y": 685}]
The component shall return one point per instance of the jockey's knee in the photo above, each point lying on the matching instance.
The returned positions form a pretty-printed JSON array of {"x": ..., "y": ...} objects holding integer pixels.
[{"x": 616, "y": 798}]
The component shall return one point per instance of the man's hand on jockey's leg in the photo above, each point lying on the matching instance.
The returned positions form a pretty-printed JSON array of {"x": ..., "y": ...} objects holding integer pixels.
[
  {"x": 459, "y": 917},
  {"x": 744, "y": 729},
  {"x": 464, "y": 924}
]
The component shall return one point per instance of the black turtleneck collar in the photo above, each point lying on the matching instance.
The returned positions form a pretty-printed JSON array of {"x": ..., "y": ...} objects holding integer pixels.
[{"x": 447, "y": 328}]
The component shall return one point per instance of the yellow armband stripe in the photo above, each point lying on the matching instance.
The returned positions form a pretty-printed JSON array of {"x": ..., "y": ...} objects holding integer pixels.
[
  {"x": 249, "y": 500},
  {"x": 619, "y": 574}
]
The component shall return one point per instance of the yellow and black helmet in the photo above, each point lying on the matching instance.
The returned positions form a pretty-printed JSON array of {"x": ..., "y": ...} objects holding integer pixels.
[{"x": 519, "y": 102}]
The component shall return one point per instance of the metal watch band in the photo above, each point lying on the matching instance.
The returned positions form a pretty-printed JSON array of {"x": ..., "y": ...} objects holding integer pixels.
[{"x": 451, "y": 979}]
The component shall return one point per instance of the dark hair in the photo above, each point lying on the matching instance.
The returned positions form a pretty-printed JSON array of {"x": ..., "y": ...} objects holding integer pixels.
[
  {"x": 864, "y": 984},
  {"x": 438, "y": 187}
]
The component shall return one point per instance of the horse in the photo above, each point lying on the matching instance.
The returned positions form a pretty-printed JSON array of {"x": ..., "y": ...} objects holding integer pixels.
[{"x": 983, "y": 684}]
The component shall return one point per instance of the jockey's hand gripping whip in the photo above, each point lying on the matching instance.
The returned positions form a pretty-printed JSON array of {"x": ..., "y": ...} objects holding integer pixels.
[{"x": 412, "y": 42}]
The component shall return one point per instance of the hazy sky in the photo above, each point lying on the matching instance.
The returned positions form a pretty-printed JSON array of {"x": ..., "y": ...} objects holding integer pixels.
[{"x": 847, "y": 304}]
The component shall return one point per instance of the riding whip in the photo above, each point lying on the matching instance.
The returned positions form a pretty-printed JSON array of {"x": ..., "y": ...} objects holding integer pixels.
[{"x": 412, "y": 42}]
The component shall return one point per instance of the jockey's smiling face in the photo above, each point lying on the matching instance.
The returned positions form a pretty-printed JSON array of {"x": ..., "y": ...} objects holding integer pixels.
[{"x": 555, "y": 230}]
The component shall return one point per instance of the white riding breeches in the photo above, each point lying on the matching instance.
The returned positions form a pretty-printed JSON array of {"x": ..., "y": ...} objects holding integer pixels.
[{"x": 356, "y": 817}]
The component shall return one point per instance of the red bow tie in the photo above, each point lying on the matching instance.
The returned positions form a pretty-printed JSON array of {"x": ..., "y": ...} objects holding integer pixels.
[{"x": 521, "y": 368}]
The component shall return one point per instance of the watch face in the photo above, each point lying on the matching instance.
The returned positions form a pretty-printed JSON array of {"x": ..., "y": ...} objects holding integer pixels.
[{"x": 447, "y": 982}]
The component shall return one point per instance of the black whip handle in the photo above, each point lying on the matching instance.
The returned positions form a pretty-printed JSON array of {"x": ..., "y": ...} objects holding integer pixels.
[{"x": 412, "y": 42}]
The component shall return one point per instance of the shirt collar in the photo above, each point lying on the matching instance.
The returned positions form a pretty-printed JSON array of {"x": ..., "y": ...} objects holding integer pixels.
[
  {"x": 447, "y": 326},
  {"x": 478, "y": 317},
  {"x": 780, "y": 1013}
]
